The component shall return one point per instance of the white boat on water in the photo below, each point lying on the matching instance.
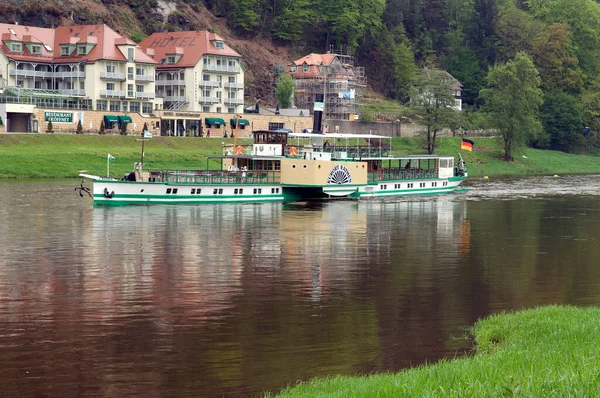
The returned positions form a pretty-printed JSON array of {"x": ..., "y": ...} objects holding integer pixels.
[{"x": 285, "y": 166}]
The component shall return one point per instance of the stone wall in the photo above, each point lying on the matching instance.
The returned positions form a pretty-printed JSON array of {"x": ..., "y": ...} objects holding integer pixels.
[{"x": 91, "y": 121}]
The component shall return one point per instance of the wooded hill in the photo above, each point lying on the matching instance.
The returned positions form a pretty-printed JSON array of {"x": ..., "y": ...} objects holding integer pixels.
[{"x": 392, "y": 39}]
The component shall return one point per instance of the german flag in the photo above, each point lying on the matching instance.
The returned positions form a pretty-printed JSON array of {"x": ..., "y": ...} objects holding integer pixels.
[{"x": 467, "y": 145}]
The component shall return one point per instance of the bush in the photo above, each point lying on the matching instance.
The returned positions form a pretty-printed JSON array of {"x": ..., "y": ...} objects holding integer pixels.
[
  {"x": 124, "y": 128},
  {"x": 79, "y": 127},
  {"x": 145, "y": 127},
  {"x": 102, "y": 128},
  {"x": 50, "y": 129},
  {"x": 1, "y": 122}
]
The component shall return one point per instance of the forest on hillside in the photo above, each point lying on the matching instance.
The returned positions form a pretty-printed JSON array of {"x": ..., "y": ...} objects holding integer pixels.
[{"x": 392, "y": 39}]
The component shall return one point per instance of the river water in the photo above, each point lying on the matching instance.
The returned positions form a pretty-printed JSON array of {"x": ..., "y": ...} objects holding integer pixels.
[{"x": 236, "y": 300}]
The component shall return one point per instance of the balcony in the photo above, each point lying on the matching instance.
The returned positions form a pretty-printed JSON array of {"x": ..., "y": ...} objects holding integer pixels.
[
  {"x": 222, "y": 68},
  {"x": 205, "y": 83},
  {"x": 174, "y": 98},
  {"x": 31, "y": 73},
  {"x": 237, "y": 86},
  {"x": 45, "y": 74},
  {"x": 75, "y": 93},
  {"x": 170, "y": 82},
  {"x": 144, "y": 78},
  {"x": 209, "y": 100},
  {"x": 112, "y": 76},
  {"x": 140, "y": 95},
  {"x": 112, "y": 93},
  {"x": 234, "y": 101}
]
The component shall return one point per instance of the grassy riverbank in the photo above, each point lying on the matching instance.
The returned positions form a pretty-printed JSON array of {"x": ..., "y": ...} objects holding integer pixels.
[
  {"x": 61, "y": 156},
  {"x": 544, "y": 352}
]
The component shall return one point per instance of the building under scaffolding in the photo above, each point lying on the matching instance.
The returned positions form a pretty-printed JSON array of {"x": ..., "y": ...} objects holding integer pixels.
[{"x": 331, "y": 79}]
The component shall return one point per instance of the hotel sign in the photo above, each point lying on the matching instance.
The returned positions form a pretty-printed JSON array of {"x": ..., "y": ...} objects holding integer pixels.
[{"x": 58, "y": 117}]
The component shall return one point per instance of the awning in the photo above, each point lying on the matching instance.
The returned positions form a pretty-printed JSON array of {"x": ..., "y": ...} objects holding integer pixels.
[
  {"x": 214, "y": 121},
  {"x": 243, "y": 122},
  {"x": 124, "y": 119},
  {"x": 110, "y": 119}
]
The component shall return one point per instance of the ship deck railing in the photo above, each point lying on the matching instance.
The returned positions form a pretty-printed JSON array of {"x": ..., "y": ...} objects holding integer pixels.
[{"x": 215, "y": 177}]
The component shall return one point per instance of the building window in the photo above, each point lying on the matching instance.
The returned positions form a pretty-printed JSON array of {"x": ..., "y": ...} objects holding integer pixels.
[
  {"x": 130, "y": 73},
  {"x": 207, "y": 93},
  {"x": 231, "y": 110},
  {"x": 64, "y": 50},
  {"x": 274, "y": 126},
  {"x": 36, "y": 49},
  {"x": 206, "y": 61},
  {"x": 115, "y": 106},
  {"x": 130, "y": 90},
  {"x": 206, "y": 78},
  {"x": 110, "y": 86},
  {"x": 218, "y": 109},
  {"x": 110, "y": 68},
  {"x": 170, "y": 59},
  {"x": 101, "y": 105},
  {"x": 147, "y": 107},
  {"x": 130, "y": 54},
  {"x": 124, "y": 106},
  {"x": 81, "y": 50},
  {"x": 231, "y": 79},
  {"x": 219, "y": 44},
  {"x": 294, "y": 69},
  {"x": 139, "y": 88},
  {"x": 206, "y": 109},
  {"x": 134, "y": 106},
  {"x": 16, "y": 47},
  {"x": 139, "y": 71},
  {"x": 304, "y": 68}
]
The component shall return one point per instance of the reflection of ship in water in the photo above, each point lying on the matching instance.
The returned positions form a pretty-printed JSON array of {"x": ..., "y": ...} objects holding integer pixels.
[{"x": 203, "y": 256}]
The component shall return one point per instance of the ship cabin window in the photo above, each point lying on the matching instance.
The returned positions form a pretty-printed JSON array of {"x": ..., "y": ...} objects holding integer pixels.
[
  {"x": 193, "y": 191},
  {"x": 198, "y": 191},
  {"x": 215, "y": 191},
  {"x": 174, "y": 190},
  {"x": 220, "y": 191},
  {"x": 168, "y": 190}
]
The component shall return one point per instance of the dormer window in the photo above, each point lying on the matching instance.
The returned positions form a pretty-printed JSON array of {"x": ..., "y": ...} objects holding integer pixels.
[
  {"x": 305, "y": 68},
  {"x": 130, "y": 55},
  {"x": 170, "y": 59},
  {"x": 294, "y": 69},
  {"x": 321, "y": 69},
  {"x": 64, "y": 50},
  {"x": 219, "y": 44},
  {"x": 16, "y": 47},
  {"x": 81, "y": 50},
  {"x": 36, "y": 49}
]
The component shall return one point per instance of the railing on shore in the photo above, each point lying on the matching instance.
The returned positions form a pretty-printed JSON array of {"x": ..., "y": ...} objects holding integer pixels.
[
  {"x": 402, "y": 174},
  {"x": 215, "y": 177}
]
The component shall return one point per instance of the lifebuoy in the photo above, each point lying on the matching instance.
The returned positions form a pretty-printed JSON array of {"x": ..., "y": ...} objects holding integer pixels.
[
  {"x": 238, "y": 150},
  {"x": 293, "y": 151}
]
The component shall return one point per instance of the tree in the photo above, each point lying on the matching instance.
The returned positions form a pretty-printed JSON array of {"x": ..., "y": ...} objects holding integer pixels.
[
  {"x": 79, "y": 127},
  {"x": 512, "y": 99},
  {"x": 50, "y": 128},
  {"x": 558, "y": 69},
  {"x": 432, "y": 98},
  {"x": 243, "y": 15},
  {"x": 102, "y": 128},
  {"x": 145, "y": 128},
  {"x": 124, "y": 128},
  {"x": 1, "y": 122},
  {"x": 284, "y": 90},
  {"x": 562, "y": 117}
]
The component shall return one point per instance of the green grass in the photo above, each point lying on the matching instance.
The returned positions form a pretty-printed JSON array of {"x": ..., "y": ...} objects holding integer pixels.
[
  {"x": 63, "y": 156},
  {"x": 550, "y": 351}
]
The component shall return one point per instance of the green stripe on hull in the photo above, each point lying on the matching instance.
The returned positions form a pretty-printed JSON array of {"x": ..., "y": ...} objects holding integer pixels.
[
  {"x": 405, "y": 192},
  {"x": 122, "y": 200}
]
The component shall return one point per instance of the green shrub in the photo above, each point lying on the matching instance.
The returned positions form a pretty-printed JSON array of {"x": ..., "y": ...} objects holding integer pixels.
[{"x": 50, "y": 129}]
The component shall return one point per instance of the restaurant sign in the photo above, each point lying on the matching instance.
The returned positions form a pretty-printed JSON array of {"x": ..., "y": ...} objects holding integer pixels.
[{"x": 58, "y": 117}]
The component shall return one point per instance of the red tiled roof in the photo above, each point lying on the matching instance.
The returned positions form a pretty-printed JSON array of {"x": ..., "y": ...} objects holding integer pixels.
[
  {"x": 193, "y": 43},
  {"x": 105, "y": 39},
  {"x": 316, "y": 59}
]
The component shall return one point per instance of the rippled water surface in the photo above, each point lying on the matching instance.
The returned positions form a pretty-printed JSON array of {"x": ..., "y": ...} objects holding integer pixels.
[{"x": 235, "y": 300}]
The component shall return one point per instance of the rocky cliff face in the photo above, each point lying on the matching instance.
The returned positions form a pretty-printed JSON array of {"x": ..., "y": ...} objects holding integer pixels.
[{"x": 138, "y": 18}]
